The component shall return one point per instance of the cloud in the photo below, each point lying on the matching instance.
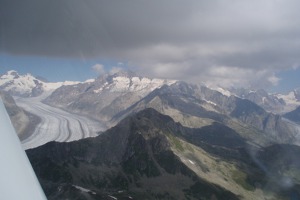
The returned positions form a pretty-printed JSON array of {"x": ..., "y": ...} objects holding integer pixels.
[
  {"x": 114, "y": 70},
  {"x": 274, "y": 80},
  {"x": 99, "y": 69},
  {"x": 231, "y": 42}
]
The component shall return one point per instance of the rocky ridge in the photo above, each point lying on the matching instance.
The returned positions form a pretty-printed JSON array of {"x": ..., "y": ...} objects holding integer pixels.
[
  {"x": 149, "y": 156},
  {"x": 106, "y": 96}
]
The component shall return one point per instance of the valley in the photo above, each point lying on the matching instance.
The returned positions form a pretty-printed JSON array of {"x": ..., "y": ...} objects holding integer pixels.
[
  {"x": 150, "y": 100},
  {"x": 56, "y": 124}
]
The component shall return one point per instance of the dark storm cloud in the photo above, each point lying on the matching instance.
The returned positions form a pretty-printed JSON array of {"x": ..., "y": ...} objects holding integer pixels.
[
  {"x": 189, "y": 40},
  {"x": 89, "y": 27}
]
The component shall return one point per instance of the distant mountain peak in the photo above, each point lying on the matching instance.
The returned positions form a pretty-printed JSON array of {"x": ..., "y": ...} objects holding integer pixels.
[{"x": 26, "y": 85}]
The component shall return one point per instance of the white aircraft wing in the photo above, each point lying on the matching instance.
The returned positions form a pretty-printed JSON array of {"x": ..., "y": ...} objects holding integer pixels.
[{"x": 17, "y": 178}]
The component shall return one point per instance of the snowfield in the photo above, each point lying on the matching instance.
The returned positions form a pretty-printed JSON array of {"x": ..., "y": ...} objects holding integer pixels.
[{"x": 56, "y": 124}]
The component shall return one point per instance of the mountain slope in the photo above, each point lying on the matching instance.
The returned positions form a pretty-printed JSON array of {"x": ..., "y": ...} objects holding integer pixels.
[
  {"x": 149, "y": 156},
  {"x": 106, "y": 96},
  {"x": 269, "y": 102},
  {"x": 272, "y": 102},
  {"x": 134, "y": 157},
  {"x": 195, "y": 106}
]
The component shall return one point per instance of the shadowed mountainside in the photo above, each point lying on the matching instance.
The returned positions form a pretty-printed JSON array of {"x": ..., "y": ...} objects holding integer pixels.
[{"x": 149, "y": 156}]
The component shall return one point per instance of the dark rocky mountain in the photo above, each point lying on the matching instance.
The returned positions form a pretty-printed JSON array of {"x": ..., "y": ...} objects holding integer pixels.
[
  {"x": 281, "y": 166},
  {"x": 22, "y": 121},
  {"x": 294, "y": 115},
  {"x": 133, "y": 160},
  {"x": 149, "y": 156}
]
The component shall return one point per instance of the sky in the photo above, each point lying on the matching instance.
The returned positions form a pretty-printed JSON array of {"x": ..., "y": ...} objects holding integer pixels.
[{"x": 231, "y": 43}]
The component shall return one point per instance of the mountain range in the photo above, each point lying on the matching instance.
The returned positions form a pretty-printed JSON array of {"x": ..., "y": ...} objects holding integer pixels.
[
  {"x": 111, "y": 98},
  {"x": 27, "y": 85},
  {"x": 106, "y": 96},
  {"x": 166, "y": 139},
  {"x": 272, "y": 102}
]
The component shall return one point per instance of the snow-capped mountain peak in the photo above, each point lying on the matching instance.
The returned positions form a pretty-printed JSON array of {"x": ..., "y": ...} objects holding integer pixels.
[
  {"x": 135, "y": 83},
  {"x": 127, "y": 81},
  {"x": 27, "y": 85},
  {"x": 21, "y": 85},
  {"x": 107, "y": 95},
  {"x": 223, "y": 91}
]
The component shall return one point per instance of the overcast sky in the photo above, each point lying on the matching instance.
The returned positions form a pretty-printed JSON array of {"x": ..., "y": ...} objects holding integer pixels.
[{"x": 247, "y": 43}]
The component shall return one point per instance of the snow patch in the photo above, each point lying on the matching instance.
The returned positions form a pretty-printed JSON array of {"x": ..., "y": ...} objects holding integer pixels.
[
  {"x": 223, "y": 91},
  {"x": 193, "y": 163},
  {"x": 210, "y": 102},
  {"x": 98, "y": 90},
  {"x": 112, "y": 197},
  {"x": 83, "y": 189}
]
